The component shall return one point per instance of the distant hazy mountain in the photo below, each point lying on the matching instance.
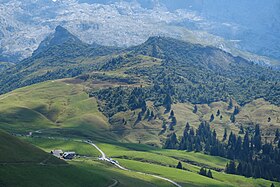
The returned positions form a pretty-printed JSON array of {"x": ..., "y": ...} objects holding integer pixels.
[{"x": 249, "y": 25}]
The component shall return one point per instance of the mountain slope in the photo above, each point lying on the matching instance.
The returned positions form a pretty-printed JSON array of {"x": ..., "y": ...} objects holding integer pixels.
[
  {"x": 60, "y": 36},
  {"x": 57, "y": 57},
  {"x": 17, "y": 151},
  {"x": 22, "y": 164},
  {"x": 198, "y": 74},
  {"x": 57, "y": 106}
]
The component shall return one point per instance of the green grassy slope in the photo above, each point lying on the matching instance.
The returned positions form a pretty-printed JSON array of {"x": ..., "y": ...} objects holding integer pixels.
[
  {"x": 16, "y": 151},
  {"x": 152, "y": 160},
  {"x": 22, "y": 164},
  {"x": 62, "y": 109},
  {"x": 52, "y": 106}
]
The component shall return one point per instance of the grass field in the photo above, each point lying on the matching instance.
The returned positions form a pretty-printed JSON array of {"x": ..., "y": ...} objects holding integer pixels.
[
  {"x": 157, "y": 161},
  {"x": 54, "y": 106},
  {"x": 25, "y": 165},
  {"x": 59, "y": 113}
]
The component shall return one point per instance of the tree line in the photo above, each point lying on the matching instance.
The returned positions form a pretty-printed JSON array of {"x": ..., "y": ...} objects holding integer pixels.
[{"x": 250, "y": 156}]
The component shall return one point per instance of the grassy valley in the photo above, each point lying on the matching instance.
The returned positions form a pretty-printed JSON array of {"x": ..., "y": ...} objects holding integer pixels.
[
  {"x": 132, "y": 103},
  {"x": 76, "y": 115}
]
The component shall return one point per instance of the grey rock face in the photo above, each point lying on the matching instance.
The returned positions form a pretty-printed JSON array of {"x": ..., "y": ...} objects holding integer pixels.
[{"x": 24, "y": 24}]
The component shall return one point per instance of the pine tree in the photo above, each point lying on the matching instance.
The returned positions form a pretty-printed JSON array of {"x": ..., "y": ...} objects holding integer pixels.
[
  {"x": 218, "y": 113},
  {"x": 171, "y": 142},
  {"x": 187, "y": 128},
  {"x": 198, "y": 146},
  {"x": 277, "y": 136},
  {"x": 272, "y": 185},
  {"x": 167, "y": 102},
  {"x": 248, "y": 172},
  {"x": 232, "y": 118},
  {"x": 212, "y": 118},
  {"x": 174, "y": 121},
  {"x": 231, "y": 168},
  {"x": 227, "y": 168},
  {"x": 238, "y": 147},
  {"x": 241, "y": 131},
  {"x": 269, "y": 119},
  {"x": 147, "y": 114},
  {"x": 225, "y": 135},
  {"x": 209, "y": 174},
  {"x": 236, "y": 110},
  {"x": 257, "y": 138},
  {"x": 152, "y": 114},
  {"x": 202, "y": 172},
  {"x": 195, "y": 109},
  {"x": 171, "y": 114},
  {"x": 221, "y": 117},
  {"x": 179, "y": 165},
  {"x": 230, "y": 105},
  {"x": 257, "y": 172},
  {"x": 239, "y": 169},
  {"x": 246, "y": 144}
]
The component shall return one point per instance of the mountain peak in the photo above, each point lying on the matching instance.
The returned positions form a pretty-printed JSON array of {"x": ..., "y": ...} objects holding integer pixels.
[
  {"x": 59, "y": 28},
  {"x": 60, "y": 36}
]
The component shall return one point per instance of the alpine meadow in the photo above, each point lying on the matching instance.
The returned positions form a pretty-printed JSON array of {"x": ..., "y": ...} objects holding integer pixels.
[{"x": 139, "y": 93}]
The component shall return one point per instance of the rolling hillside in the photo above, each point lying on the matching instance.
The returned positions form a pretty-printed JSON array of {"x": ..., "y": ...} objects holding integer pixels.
[
  {"x": 22, "y": 164},
  {"x": 52, "y": 105},
  {"x": 135, "y": 101}
]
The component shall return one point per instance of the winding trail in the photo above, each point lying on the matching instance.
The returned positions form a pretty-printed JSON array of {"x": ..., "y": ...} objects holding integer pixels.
[
  {"x": 114, "y": 184},
  {"x": 103, "y": 157}
]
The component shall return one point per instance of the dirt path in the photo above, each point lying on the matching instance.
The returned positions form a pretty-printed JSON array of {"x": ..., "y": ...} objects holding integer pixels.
[
  {"x": 103, "y": 157},
  {"x": 114, "y": 184}
]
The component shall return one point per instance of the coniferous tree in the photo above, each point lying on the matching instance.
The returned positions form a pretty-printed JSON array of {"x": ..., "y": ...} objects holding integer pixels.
[
  {"x": 179, "y": 165},
  {"x": 152, "y": 115},
  {"x": 225, "y": 135},
  {"x": 171, "y": 142},
  {"x": 212, "y": 117},
  {"x": 257, "y": 172},
  {"x": 239, "y": 169},
  {"x": 257, "y": 138},
  {"x": 167, "y": 102},
  {"x": 236, "y": 110},
  {"x": 230, "y": 105},
  {"x": 198, "y": 146},
  {"x": 272, "y": 185},
  {"x": 238, "y": 147},
  {"x": 195, "y": 109},
  {"x": 187, "y": 128},
  {"x": 171, "y": 114},
  {"x": 218, "y": 113},
  {"x": 221, "y": 117},
  {"x": 231, "y": 168},
  {"x": 203, "y": 171},
  {"x": 269, "y": 119},
  {"x": 174, "y": 121},
  {"x": 147, "y": 114},
  {"x": 277, "y": 136},
  {"x": 209, "y": 174},
  {"x": 248, "y": 172},
  {"x": 241, "y": 131},
  {"x": 232, "y": 118},
  {"x": 143, "y": 107},
  {"x": 192, "y": 131},
  {"x": 246, "y": 144}
]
